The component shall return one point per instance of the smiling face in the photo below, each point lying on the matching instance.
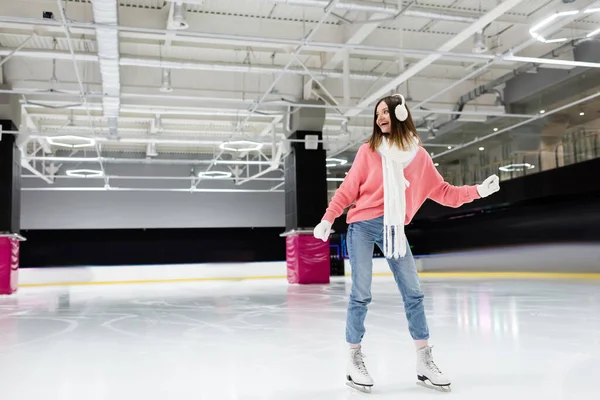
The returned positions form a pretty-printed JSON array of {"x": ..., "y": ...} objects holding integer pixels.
[
  {"x": 382, "y": 118},
  {"x": 387, "y": 125}
]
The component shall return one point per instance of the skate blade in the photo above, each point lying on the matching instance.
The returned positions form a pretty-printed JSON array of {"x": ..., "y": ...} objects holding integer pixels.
[
  {"x": 425, "y": 382},
  {"x": 364, "y": 389},
  {"x": 353, "y": 385},
  {"x": 439, "y": 388}
]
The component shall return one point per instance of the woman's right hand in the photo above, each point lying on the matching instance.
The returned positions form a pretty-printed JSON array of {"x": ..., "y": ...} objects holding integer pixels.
[{"x": 322, "y": 230}]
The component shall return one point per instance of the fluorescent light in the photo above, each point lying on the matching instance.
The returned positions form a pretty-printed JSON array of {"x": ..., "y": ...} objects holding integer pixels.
[
  {"x": 533, "y": 31},
  {"x": 572, "y": 12},
  {"x": 84, "y": 173},
  {"x": 543, "y": 23},
  {"x": 437, "y": 164},
  {"x": 594, "y": 33},
  {"x": 542, "y": 111},
  {"x": 449, "y": 147},
  {"x": 582, "y": 113},
  {"x": 481, "y": 148},
  {"x": 495, "y": 129}
]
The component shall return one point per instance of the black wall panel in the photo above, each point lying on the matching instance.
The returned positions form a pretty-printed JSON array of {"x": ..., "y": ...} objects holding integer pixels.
[{"x": 10, "y": 181}]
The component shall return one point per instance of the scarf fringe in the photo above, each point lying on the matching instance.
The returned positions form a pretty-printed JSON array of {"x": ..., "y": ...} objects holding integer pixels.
[{"x": 394, "y": 241}]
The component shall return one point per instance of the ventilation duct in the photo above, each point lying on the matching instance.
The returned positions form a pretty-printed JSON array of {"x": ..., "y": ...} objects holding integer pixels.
[{"x": 105, "y": 13}]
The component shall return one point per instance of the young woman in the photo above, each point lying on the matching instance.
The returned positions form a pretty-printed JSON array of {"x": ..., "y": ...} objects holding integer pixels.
[{"x": 391, "y": 177}]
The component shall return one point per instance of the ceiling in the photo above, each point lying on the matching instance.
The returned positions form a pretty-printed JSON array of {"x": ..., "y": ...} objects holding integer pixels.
[{"x": 155, "y": 90}]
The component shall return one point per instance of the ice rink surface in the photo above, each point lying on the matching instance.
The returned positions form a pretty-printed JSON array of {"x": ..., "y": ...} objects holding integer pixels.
[{"x": 264, "y": 339}]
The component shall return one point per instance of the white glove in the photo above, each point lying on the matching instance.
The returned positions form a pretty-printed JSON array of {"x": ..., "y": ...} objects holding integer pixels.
[
  {"x": 489, "y": 186},
  {"x": 322, "y": 230}
]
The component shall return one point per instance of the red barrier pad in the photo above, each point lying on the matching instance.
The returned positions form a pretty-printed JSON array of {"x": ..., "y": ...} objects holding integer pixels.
[
  {"x": 9, "y": 265},
  {"x": 308, "y": 259}
]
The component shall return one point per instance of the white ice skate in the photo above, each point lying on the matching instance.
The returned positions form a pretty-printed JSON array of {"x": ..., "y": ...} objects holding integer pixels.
[
  {"x": 357, "y": 376},
  {"x": 428, "y": 374}
]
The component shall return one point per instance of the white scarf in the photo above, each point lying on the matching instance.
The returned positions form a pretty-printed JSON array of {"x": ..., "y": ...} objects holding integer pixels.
[{"x": 393, "y": 161}]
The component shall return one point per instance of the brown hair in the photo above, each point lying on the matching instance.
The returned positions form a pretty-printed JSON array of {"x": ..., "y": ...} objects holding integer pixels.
[{"x": 401, "y": 131}]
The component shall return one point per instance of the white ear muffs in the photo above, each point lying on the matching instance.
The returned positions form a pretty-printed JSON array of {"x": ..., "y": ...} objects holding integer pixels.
[{"x": 401, "y": 111}]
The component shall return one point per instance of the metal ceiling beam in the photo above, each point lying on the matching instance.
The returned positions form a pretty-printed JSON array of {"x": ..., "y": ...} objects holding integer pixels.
[
  {"x": 424, "y": 63},
  {"x": 245, "y": 40},
  {"x": 176, "y": 161}
]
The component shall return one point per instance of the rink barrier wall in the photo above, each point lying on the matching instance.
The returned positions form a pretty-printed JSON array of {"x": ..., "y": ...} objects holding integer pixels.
[{"x": 528, "y": 262}]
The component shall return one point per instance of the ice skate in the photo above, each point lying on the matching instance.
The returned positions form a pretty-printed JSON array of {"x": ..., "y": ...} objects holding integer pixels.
[
  {"x": 428, "y": 374},
  {"x": 357, "y": 376}
]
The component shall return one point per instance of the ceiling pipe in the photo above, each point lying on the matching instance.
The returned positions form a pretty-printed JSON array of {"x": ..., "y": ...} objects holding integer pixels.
[
  {"x": 127, "y": 189},
  {"x": 371, "y": 7},
  {"x": 166, "y": 66},
  {"x": 149, "y": 177},
  {"x": 204, "y": 111}
]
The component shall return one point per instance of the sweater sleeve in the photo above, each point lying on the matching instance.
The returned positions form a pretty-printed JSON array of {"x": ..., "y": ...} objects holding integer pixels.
[
  {"x": 444, "y": 193},
  {"x": 348, "y": 191}
]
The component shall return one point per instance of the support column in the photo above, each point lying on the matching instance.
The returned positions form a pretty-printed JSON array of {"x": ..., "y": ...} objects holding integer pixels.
[
  {"x": 10, "y": 209},
  {"x": 308, "y": 259},
  {"x": 10, "y": 181}
]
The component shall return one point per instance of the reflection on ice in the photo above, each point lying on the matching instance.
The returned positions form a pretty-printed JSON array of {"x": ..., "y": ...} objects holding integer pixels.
[{"x": 270, "y": 340}]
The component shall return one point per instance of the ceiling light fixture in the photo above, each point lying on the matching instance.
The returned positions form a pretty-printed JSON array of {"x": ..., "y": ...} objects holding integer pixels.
[
  {"x": 516, "y": 167},
  {"x": 84, "y": 173},
  {"x": 546, "y": 21},
  {"x": 335, "y": 162},
  {"x": 215, "y": 175},
  {"x": 241, "y": 145},
  {"x": 166, "y": 81},
  {"x": 70, "y": 141}
]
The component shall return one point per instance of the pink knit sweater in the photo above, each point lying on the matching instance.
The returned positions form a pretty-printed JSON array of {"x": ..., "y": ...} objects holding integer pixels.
[{"x": 363, "y": 186}]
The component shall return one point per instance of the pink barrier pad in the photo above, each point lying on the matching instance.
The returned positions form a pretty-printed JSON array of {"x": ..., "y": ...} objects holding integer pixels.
[
  {"x": 9, "y": 265},
  {"x": 307, "y": 259}
]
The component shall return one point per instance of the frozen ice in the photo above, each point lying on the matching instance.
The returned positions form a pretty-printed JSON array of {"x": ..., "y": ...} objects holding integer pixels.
[{"x": 266, "y": 339}]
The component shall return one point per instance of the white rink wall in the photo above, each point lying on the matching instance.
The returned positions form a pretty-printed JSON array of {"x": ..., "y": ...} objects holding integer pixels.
[{"x": 567, "y": 258}]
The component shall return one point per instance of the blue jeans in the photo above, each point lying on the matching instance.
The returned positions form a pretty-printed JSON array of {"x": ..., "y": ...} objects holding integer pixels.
[{"x": 361, "y": 238}]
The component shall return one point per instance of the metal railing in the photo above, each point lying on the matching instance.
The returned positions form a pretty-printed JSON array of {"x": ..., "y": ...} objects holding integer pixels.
[{"x": 578, "y": 146}]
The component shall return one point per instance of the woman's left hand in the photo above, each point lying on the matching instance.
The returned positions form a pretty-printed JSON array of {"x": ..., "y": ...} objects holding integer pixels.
[{"x": 489, "y": 186}]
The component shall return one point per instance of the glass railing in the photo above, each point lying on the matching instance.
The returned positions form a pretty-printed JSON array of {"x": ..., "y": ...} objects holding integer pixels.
[{"x": 575, "y": 147}]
